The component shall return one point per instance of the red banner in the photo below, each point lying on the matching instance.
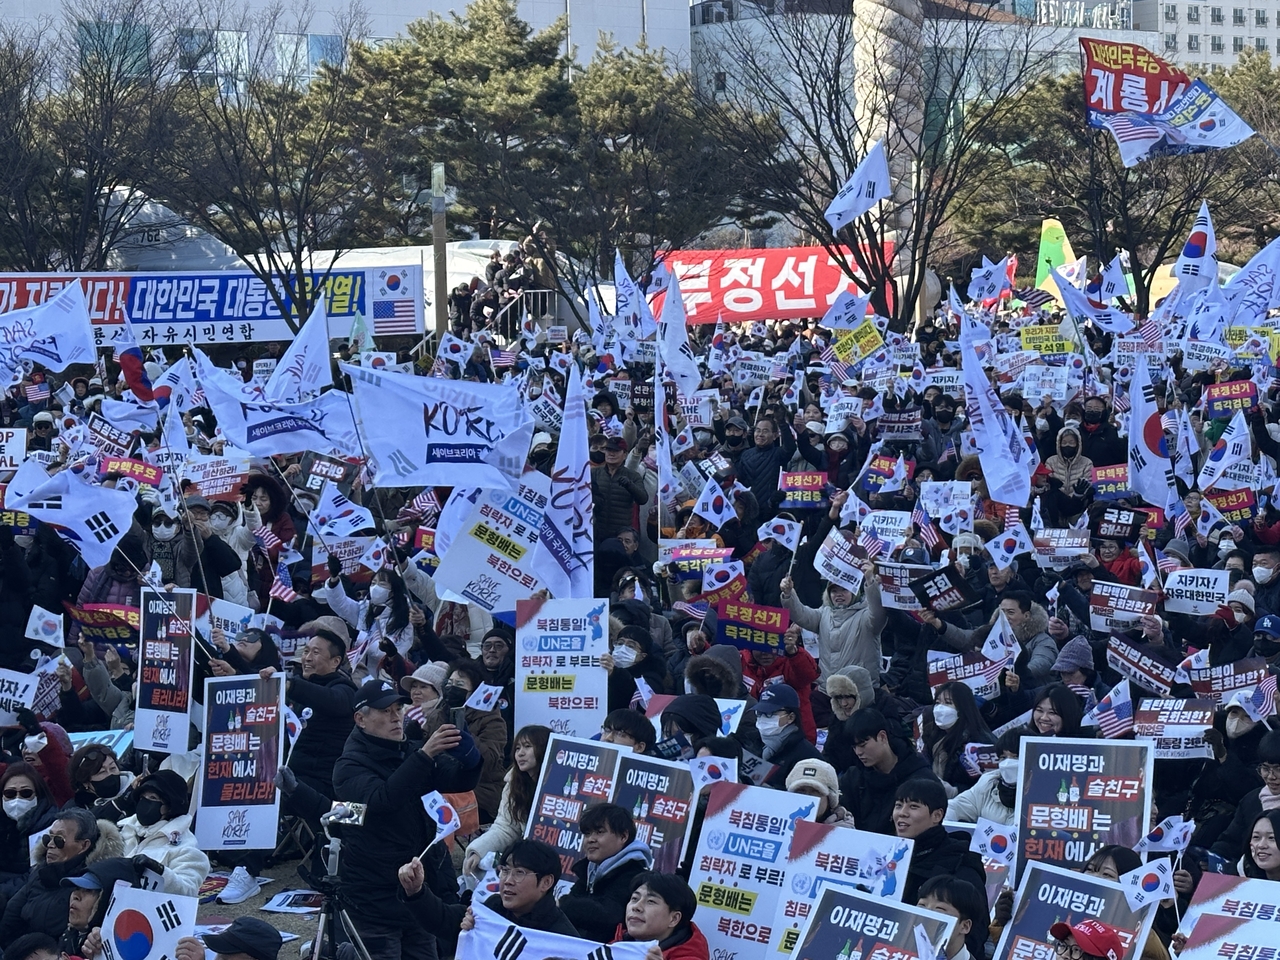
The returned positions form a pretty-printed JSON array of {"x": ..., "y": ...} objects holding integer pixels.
[
  {"x": 1126, "y": 77},
  {"x": 786, "y": 283}
]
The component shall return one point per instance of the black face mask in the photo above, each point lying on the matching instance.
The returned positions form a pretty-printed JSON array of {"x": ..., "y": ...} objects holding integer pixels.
[
  {"x": 597, "y": 456},
  {"x": 1069, "y": 452},
  {"x": 543, "y": 457},
  {"x": 148, "y": 812},
  {"x": 123, "y": 683},
  {"x": 733, "y": 440},
  {"x": 454, "y": 696},
  {"x": 944, "y": 415},
  {"x": 1008, "y": 794},
  {"x": 108, "y": 786},
  {"x": 1267, "y": 648},
  {"x": 1093, "y": 416}
]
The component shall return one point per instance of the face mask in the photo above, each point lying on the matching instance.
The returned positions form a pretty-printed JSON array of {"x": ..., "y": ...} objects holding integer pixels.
[
  {"x": 454, "y": 695},
  {"x": 1008, "y": 795},
  {"x": 945, "y": 716},
  {"x": 1069, "y": 452},
  {"x": 1266, "y": 647},
  {"x": 623, "y": 656},
  {"x": 220, "y": 522},
  {"x": 379, "y": 594},
  {"x": 148, "y": 812},
  {"x": 108, "y": 786},
  {"x": 597, "y": 456},
  {"x": 1071, "y": 423},
  {"x": 1238, "y": 726},
  {"x": 1261, "y": 575},
  {"x": 164, "y": 531},
  {"x": 1009, "y": 772},
  {"x": 1093, "y": 416},
  {"x": 23, "y": 540},
  {"x": 541, "y": 457},
  {"x": 1225, "y": 547},
  {"x": 768, "y": 726},
  {"x": 733, "y": 440},
  {"x": 944, "y": 415},
  {"x": 18, "y": 808}
]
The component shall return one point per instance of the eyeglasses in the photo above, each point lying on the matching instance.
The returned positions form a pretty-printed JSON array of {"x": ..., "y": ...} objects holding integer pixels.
[
  {"x": 514, "y": 874},
  {"x": 50, "y": 840},
  {"x": 1268, "y": 770},
  {"x": 1068, "y": 950},
  {"x": 26, "y": 793},
  {"x": 493, "y": 645}
]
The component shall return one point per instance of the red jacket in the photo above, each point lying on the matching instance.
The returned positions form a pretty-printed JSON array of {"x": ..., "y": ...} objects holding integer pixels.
[
  {"x": 798, "y": 671},
  {"x": 1126, "y": 568},
  {"x": 694, "y": 948}
]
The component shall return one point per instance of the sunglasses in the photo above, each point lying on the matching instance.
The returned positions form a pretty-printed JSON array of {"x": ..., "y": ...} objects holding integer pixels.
[
  {"x": 50, "y": 840},
  {"x": 26, "y": 793}
]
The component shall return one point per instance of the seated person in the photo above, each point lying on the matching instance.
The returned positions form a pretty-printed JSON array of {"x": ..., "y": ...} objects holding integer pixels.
[
  {"x": 661, "y": 908},
  {"x": 248, "y": 938},
  {"x": 597, "y": 903},
  {"x": 90, "y": 896},
  {"x": 527, "y": 877},
  {"x": 33, "y": 946},
  {"x": 956, "y": 898},
  {"x": 778, "y": 723},
  {"x": 160, "y": 832},
  {"x": 628, "y": 728}
]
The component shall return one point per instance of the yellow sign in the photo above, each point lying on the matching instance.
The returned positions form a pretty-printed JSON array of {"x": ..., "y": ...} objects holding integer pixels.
[{"x": 1044, "y": 340}]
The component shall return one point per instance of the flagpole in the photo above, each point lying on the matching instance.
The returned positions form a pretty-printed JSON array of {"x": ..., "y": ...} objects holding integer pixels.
[{"x": 182, "y": 507}]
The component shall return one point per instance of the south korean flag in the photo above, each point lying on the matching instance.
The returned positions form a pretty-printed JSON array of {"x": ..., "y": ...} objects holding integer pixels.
[{"x": 146, "y": 924}]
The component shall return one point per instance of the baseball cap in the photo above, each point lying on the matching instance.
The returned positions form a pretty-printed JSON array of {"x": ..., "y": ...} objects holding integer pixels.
[
  {"x": 197, "y": 501},
  {"x": 248, "y": 935},
  {"x": 615, "y": 443},
  {"x": 1092, "y": 936},
  {"x": 738, "y": 423},
  {"x": 1270, "y": 625},
  {"x": 378, "y": 695},
  {"x": 778, "y": 696},
  {"x": 104, "y": 874}
]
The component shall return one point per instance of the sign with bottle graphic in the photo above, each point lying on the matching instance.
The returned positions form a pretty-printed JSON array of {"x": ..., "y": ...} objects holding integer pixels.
[
  {"x": 243, "y": 747},
  {"x": 165, "y": 669},
  {"x": 1075, "y": 796},
  {"x": 578, "y": 773},
  {"x": 1049, "y": 895},
  {"x": 851, "y": 925}
]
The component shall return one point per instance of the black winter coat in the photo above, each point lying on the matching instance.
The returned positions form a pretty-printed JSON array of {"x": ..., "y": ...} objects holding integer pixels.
[
  {"x": 758, "y": 469},
  {"x": 391, "y": 777},
  {"x": 938, "y": 853},
  {"x": 596, "y": 915},
  {"x": 445, "y": 919},
  {"x": 615, "y": 497},
  {"x": 794, "y": 749},
  {"x": 764, "y": 580},
  {"x": 868, "y": 794},
  {"x": 331, "y": 700},
  {"x": 1231, "y": 844}
]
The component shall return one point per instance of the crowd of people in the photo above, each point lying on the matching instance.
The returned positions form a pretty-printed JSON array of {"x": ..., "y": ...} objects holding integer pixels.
[{"x": 841, "y": 707}]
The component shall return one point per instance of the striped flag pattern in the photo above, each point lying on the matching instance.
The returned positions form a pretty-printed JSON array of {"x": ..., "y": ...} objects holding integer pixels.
[
  {"x": 36, "y": 392},
  {"x": 1150, "y": 333},
  {"x": 1011, "y": 516},
  {"x": 1166, "y": 563},
  {"x": 871, "y": 541},
  {"x": 1032, "y": 296},
  {"x": 267, "y": 540},
  {"x": 839, "y": 369},
  {"x": 503, "y": 358},
  {"x": 929, "y": 534},
  {"x": 1114, "y": 712},
  {"x": 282, "y": 588}
]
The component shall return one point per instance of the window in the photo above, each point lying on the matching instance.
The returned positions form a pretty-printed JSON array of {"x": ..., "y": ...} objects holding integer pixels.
[
  {"x": 1193, "y": 42},
  {"x": 1170, "y": 42},
  {"x": 1170, "y": 13},
  {"x": 1237, "y": 16},
  {"x": 299, "y": 55},
  {"x": 1215, "y": 44},
  {"x": 213, "y": 56},
  {"x": 1215, "y": 15},
  {"x": 1237, "y": 44},
  {"x": 1193, "y": 14},
  {"x": 1259, "y": 18},
  {"x": 720, "y": 82},
  {"x": 1260, "y": 44},
  {"x": 126, "y": 46}
]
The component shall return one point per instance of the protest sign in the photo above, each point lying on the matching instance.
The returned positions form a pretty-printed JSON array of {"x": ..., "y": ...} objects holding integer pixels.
[
  {"x": 1141, "y": 668},
  {"x": 943, "y": 590},
  {"x": 879, "y": 469},
  {"x": 559, "y": 681},
  {"x": 948, "y": 380},
  {"x": 1040, "y": 381},
  {"x": 488, "y": 562},
  {"x": 689, "y": 562},
  {"x": 1044, "y": 339},
  {"x": 827, "y": 856},
  {"x": 738, "y": 871},
  {"x": 660, "y": 796},
  {"x": 1075, "y": 796},
  {"x": 145, "y": 924},
  {"x": 893, "y": 525},
  {"x": 575, "y": 773},
  {"x": 243, "y": 747},
  {"x": 838, "y": 559},
  {"x": 118, "y": 740},
  {"x": 1222, "y": 400},
  {"x": 847, "y": 924},
  {"x": 902, "y": 426},
  {"x": 13, "y": 448},
  {"x": 1236, "y": 506},
  {"x": 940, "y": 496},
  {"x": 105, "y": 623},
  {"x": 216, "y": 478},
  {"x": 144, "y": 473},
  {"x": 1175, "y": 727},
  {"x": 109, "y": 439},
  {"x": 348, "y": 550},
  {"x": 1247, "y": 904},
  {"x": 1111, "y": 483},
  {"x": 263, "y": 367},
  {"x": 548, "y": 414},
  {"x": 17, "y": 690},
  {"x": 165, "y": 670},
  {"x": 1059, "y": 547},
  {"x": 972, "y": 668},
  {"x": 315, "y": 468},
  {"x": 895, "y": 584},
  {"x": 1199, "y": 592},
  {"x": 1117, "y": 523},
  {"x": 697, "y": 412},
  {"x": 1219, "y": 683},
  {"x": 230, "y": 618},
  {"x": 20, "y": 522},
  {"x": 750, "y": 626},
  {"x": 1049, "y": 894},
  {"x": 803, "y": 491},
  {"x": 1118, "y": 606}
]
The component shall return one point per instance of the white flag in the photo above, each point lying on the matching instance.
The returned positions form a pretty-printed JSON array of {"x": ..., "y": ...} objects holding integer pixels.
[
  {"x": 336, "y": 517},
  {"x": 632, "y": 318},
  {"x": 675, "y": 355},
  {"x": 1002, "y": 450},
  {"x": 494, "y": 937},
  {"x": 455, "y": 349},
  {"x": 1234, "y": 446},
  {"x": 565, "y": 553},
  {"x": 988, "y": 280},
  {"x": 867, "y": 187},
  {"x": 45, "y": 626},
  {"x": 1007, "y": 545},
  {"x": 54, "y": 334},
  {"x": 443, "y": 814},
  {"x": 484, "y": 698},
  {"x": 785, "y": 532},
  {"x": 377, "y": 556},
  {"x": 718, "y": 574},
  {"x": 304, "y": 370},
  {"x": 146, "y": 924},
  {"x": 130, "y": 414},
  {"x": 709, "y": 770},
  {"x": 1210, "y": 518},
  {"x": 1001, "y": 645},
  {"x": 1197, "y": 265},
  {"x": 1114, "y": 282},
  {"x": 1253, "y": 291},
  {"x": 1172, "y": 834},
  {"x": 1082, "y": 307},
  {"x": 995, "y": 840},
  {"x": 713, "y": 506},
  {"x": 847, "y": 312},
  {"x": 1150, "y": 468},
  {"x": 91, "y": 518}
]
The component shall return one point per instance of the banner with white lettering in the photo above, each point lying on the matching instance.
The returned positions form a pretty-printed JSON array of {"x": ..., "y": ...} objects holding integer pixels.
[
  {"x": 1076, "y": 795},
  {"x": 165, "y": 670},
  {"x": 243, "y": 747},
  {"x": 1198, "y": 592},
  {"x": 559, "y": 681},
  {"x": 850, "y": 924},
  {"x": 1049, "y": 894},
  {"x": 1175, "y": 727},
  {"x": 17, "y": 690},
  {"x": 1118, "y": 606}
]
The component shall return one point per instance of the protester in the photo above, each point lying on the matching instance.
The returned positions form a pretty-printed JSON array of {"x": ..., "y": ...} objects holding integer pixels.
[
  {"x": 244, "y": 937},
  {"x": 528, "y": 750},
  {"x": 661, "y": 908},
  {"x": 613, "y": 857},
  {"x": 885, "y": 762},
  {"x": 158, "y": 836},
  {"x": 91, "y": 894}
]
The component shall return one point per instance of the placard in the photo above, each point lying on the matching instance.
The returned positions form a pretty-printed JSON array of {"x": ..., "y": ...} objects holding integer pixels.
[
  {"x": 972, "y": 668},
  {"x": 238, "y": 806},
  {"x": 1141, "y": 668},
  {"x": 1176, "y": 727},
  {"x": 943, "y": 590},
  {"x": 1075, "y": 796},
  {"x": 1236, "y": 506},
  {"x": 109, "y": 439},
  {"x": 17, "y": 691},
  {"x": 738, "y": 871},
  {"x": 1111, "y": 482},
  {"x": 1200, "y": 592},
  {"x": 315, "y": 468},
  {"x": 348, "y": 550},
  {"x": 145, "y": 473},
  {"x": 838, "y": 560},
  {"x": 575, "y": 773},
  {"x": 216, "y": 478},
  {"x": 559, "y": 681},
  {"x": 661, "y": 798},
  {"x": 165, "y": 670},
  {"x": 1219, "y": 683},
  {"x": 13, "y": 448},
  {"x": 1056, "y": 548},
  {"x": 1118, "y": 605},
  {"x": 1248, "y": 904},
  {"x": 803, "y": 491},
  {"x": 895, "y": 584},
  {"x": 1222, "y": 400},
  {"x": 751, "y": 626},
  {"x": 103, "y": 623},
  {"x": 902, "y": 426},
  {"x": 1050, "y": 894},
  {"x": 1116, "y": 523},
  {"x": 846, "y": 924}
]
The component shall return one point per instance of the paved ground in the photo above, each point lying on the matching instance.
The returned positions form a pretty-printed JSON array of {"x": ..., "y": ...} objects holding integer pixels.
[{"x": 287, "y": 878}]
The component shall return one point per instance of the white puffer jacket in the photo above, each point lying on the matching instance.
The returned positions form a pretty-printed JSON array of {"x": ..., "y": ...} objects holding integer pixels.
[
  {"x": 980, "y": 800},
  {"x": 171, "y": 844}
]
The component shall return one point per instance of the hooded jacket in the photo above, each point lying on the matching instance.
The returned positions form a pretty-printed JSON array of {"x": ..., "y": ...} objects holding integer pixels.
[
  {"x": 765, "y": 577},
  {"x": 718, "y": 673},
  {"x": 838, "y": 750},
  {"x": 798, "y": 671},
  {"x": 40, "y": 906},
  {"x": 598, "y": 901},
  {"x": 1038, "y": 653},
  {"x": 847, "y": 636},
  {"x": 1070, "y": 472},
  {"x": 171, "y": 844},
  {"x": 980, "y": 800},
  {"x": 687, "y": 943},
  {"x": 937, "y": 853},
  {"x": 615, "y": 497}
]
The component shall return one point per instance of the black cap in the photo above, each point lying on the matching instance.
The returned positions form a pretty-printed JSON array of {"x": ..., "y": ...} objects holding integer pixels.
[
  {"x": 248, "y": 935},
  {"x": 378, "y": 695},
  {"x": 104, "y": 874}
]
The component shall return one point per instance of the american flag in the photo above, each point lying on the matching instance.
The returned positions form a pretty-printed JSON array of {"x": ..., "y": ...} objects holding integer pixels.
[
  {"x": 1120, "y": 399},
  {"x": 503, "y": 358},
  {"x": 1084, "y": 693},
  {"x": 1181, "y": 519},
  {"x": 1150, "y": 333},
  {"x": 1166, "y": 563},
  {"x": 266, "y": 539},
  {"x": 426, "y": 506},
  {"x": 1262, "y": 702},
  {"x": 949, "y": 453},
  {"x": 924, "y": 523},
  {"x": 696, "y": 610},
  {"x": 37, "y": 392},
  {"x": 1169, "y": 421},
  {"x": 1032, "y": 296},
  {"x": 1128, "y": 130},
  {"x": 870, "y": 541},
  {"x": 394, "y": 316},
  {"x": 1114, "y": 712},
  {"x": 282, "y": 588},
  {"x": 1011, "y": 516},
  {"x": 839, "y": 370}
]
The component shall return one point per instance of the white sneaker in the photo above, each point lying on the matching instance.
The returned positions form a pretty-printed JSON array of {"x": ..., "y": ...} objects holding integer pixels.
[{"x": 240, "y": 887}]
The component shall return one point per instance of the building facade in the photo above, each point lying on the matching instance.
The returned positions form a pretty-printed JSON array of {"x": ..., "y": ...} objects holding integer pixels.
[{"x": 1202, "y": 36}]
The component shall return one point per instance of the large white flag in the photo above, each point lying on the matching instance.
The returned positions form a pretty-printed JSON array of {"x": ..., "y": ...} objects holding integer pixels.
[
  {"x": 305, "y": 369},
  {"x": 632, "y": 318},
  {"x": 1002, "y": 450},
  {"x": 848, "y": 311},
  {"x": 493, "y": 937},
  {"x": 1114, "y": 282},
  {"x": 1256, "y": 288},
  {"x": 335, "y": 517},
  {"x": 988, "y": 280},
  {"x": 1234, "y": 446},
  {"x": 565, "y": 554},
  {"x": 55, "y": 334},
  {"x": 867, "y": 187},
  {"x": 1150, "y": 466},
  {"x": 428, "y": 431},
  {"x": 674, "y": 352},
  {"x": 1197, "y": 265},
  {"x": 1083, "y": 308},
  {"x": 91, "y": 518}
]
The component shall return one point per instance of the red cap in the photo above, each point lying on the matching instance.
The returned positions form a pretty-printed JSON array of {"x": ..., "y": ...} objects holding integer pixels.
[
  {"x": 1092, "y": 936},
  {"x": 1043, "y": 471}
]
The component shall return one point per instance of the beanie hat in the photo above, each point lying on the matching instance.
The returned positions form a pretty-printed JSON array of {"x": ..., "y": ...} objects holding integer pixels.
[
  {"x": 171, "y": 787},
  {"x": 433, "y": 672},
  {"x": 1076, "y": 654},
  {"x": 818, "y": 774},
  {"x": 1242, "y": 597},
  {"x": 697, "y": 714}
]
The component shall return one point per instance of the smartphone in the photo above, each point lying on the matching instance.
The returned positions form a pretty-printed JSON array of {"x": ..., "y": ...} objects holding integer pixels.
[{"x": 458, "y": 717}]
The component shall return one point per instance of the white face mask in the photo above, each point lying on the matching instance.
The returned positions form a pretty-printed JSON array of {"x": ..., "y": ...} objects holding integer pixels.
[
  {"x": 1074, "y": 424},
  {"x": 164, "y": 531},
  {"x": 945, "y": 716},
  {"x": 1009, "y": 772},
  {"x": 220, "y": 522},
  {"x": 623, "y": 656},
  {"x": 18, "y": 808},
  {"x": 24, "y": 540},
  {"x": 1042, "y": 424},
  {"x": 767, "y": 726},
  {"x": 379, "y": 594},
  {"x": 1261, "y": 575},
  {"x": 1238, "y": 726}
]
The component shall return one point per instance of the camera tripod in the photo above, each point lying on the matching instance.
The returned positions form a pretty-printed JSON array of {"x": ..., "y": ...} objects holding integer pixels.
[{"x": 333, "y": 910}]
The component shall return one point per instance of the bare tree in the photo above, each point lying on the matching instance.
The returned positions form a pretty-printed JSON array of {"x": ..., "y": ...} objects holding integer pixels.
[{"x": 929, "y": 79}]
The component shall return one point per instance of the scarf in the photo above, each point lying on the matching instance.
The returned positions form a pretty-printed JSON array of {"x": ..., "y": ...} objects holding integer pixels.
[{"x": 1269, "y": 800}]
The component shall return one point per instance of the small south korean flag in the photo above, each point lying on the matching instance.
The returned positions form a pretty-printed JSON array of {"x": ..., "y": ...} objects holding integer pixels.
[
  {"x": 995, "y": 840},
  {"x": 1149, "y": 883},
  {"x": 485, "y": 697},
  {"x": 709, "y": 770},
  {"x": 441, "y": 811}
]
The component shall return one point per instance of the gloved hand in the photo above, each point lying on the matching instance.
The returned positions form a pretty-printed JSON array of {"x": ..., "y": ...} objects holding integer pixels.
[
  {"x": 286, "y": 780},
  {"x": 28, "y": 721},
  {"x": 1223, "y": 613},
  {"x": 335, "y": 567},
  {"x": 1082, "y": 487},
  {"x": 142, "y": 862}
]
